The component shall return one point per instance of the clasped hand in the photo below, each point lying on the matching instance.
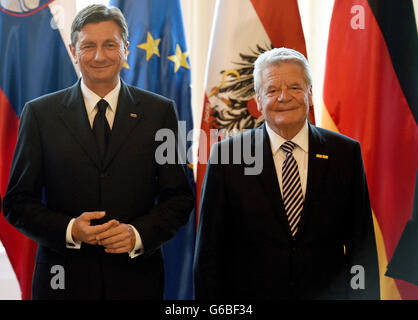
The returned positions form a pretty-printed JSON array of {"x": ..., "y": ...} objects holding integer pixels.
[{"x": 114, "y": 236}]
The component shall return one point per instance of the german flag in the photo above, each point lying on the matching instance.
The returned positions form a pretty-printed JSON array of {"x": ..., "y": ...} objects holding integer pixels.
[{"x": 370, "y": 94}]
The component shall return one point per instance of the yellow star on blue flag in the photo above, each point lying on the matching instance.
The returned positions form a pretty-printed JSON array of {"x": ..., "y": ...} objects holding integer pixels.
[
  {"x": 179, "y": 59},
  {"x": 151, "y": 46}
]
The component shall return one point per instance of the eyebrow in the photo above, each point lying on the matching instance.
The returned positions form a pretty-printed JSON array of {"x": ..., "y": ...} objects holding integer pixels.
[
  {"x": 89, "y": 42},
  {"x": 271, "y": 87},
  {"x": 83, "y": 42}
]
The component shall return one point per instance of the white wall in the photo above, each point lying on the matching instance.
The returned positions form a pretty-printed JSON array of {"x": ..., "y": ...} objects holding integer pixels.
[{"x": 9, "y": 287}]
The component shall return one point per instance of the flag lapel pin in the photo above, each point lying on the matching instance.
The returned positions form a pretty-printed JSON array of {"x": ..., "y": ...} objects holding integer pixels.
[
  {"x": 321, "y": 156},
  {"x": 133, "y": 115}
]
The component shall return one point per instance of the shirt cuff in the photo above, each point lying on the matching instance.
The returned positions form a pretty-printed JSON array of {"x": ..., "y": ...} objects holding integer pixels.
[
  {"x": 70, "y": 243},
  {"x": 139, "y": 247}
]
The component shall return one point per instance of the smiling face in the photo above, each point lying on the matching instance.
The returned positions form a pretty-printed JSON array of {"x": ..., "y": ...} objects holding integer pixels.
[
  {"x": 284, "y": 98},
  {"x": 100, "y": 52}
]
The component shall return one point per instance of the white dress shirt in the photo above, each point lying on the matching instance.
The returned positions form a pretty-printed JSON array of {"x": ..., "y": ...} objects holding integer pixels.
[
  {"x": 90, "y": 101},
  {"x": 300, "y": 153}
]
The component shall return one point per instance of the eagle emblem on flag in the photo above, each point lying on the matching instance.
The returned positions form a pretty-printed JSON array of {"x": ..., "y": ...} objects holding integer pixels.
[{"x": 233, "y": 101}]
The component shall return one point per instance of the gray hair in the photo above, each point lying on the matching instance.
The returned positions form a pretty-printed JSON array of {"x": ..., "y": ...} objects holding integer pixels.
[
  {"x": 277, "y": 56},
  {"x": 97, "y": 13}
]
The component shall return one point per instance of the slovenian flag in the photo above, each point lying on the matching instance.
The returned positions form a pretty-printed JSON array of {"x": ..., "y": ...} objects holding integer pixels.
[{"x": 34, "y": 61}]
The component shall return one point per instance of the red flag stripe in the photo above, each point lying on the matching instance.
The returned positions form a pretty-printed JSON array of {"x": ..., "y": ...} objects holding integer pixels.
[
  {"x": 9, "y": 122},
  {"x": 284, "y": 27},
  {"x": 13, "y": 240},
  {"x": 205, "y": 144}
]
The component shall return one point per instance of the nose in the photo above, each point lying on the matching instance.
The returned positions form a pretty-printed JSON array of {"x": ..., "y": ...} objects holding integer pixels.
[
  {"x": 99, "y": 54},
  {"x": 283, "y": 95}
]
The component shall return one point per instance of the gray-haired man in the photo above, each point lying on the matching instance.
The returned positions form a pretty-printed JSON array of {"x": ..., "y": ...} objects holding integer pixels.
[{"x": 302, "y": 229}]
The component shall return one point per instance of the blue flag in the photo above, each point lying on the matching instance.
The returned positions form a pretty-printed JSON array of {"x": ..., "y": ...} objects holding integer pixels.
[
  {"x": 158, "y": 62},
  {"x": 34, "y": 62}
]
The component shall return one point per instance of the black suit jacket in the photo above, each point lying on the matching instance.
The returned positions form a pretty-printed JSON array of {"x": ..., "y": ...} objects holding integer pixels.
[
  {"x": 245, "y": 248},
  {"x": 404, "y": 262},
  {"x": 56, "y": 159}
]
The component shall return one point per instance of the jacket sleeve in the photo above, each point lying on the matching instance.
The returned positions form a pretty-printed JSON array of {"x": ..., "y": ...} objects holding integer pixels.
[
  {"x": 209, "y": 263},
  {"x": 404, "y": 262},
  {"x": 360, "y": 242},
  {"x": 23, "y": 206},
  {"x": 174, "y": 201}
]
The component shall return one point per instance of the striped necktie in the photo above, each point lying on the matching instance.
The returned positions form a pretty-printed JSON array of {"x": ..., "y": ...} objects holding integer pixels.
[{"x": 292, "y": 188}]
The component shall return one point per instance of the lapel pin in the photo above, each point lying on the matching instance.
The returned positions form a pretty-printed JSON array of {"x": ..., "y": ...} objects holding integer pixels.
[
  {"x": 133, "y": 115},
  {"x": 322, "y": 156}
]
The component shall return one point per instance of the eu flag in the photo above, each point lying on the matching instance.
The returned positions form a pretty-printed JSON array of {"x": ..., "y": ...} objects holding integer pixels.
[
  {"x": 158, "y": 62},
  {"x": 34, "y": 62}
]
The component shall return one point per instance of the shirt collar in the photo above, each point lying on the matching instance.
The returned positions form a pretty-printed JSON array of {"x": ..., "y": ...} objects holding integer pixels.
[
  {"x": 91, "y": 99},
  {"x": 301, "y": 139}
]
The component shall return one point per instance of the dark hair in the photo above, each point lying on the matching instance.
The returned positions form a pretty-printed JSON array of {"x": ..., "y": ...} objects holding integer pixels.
[{"x": 97, "y": 13}]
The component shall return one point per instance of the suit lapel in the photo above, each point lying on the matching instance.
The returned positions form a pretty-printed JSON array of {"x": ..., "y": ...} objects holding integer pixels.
[
  {"x": 126, "y": 118},
  {"x": 74, "y": 115},
  {"x": 317, "y": 168},
  {"x": 270, "y": 184}
]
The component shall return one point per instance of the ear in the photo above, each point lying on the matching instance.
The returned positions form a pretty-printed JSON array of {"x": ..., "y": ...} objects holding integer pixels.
[
  {"x": 310, "y": 97},
  {"x": 126, "y": 48},
  {"x": 258, "y": 100},
  {"x": 72, "y": 50}
]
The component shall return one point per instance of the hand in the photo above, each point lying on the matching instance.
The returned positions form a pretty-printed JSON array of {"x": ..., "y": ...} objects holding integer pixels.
[
  {"x": 83, "y": 231},
  {"x": 118, "y": 239}
]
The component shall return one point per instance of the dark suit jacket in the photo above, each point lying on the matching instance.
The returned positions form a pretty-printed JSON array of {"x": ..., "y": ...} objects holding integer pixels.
[
  {"x": 404, "y": 262},
  {"x": 245, "y": 249},
  {"x": 56, "y": 158}
]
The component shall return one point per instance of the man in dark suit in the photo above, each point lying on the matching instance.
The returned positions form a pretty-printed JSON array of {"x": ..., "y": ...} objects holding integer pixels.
[
  {"x": 300, "y": 229},
  {"x": 89, "y": 150}
]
